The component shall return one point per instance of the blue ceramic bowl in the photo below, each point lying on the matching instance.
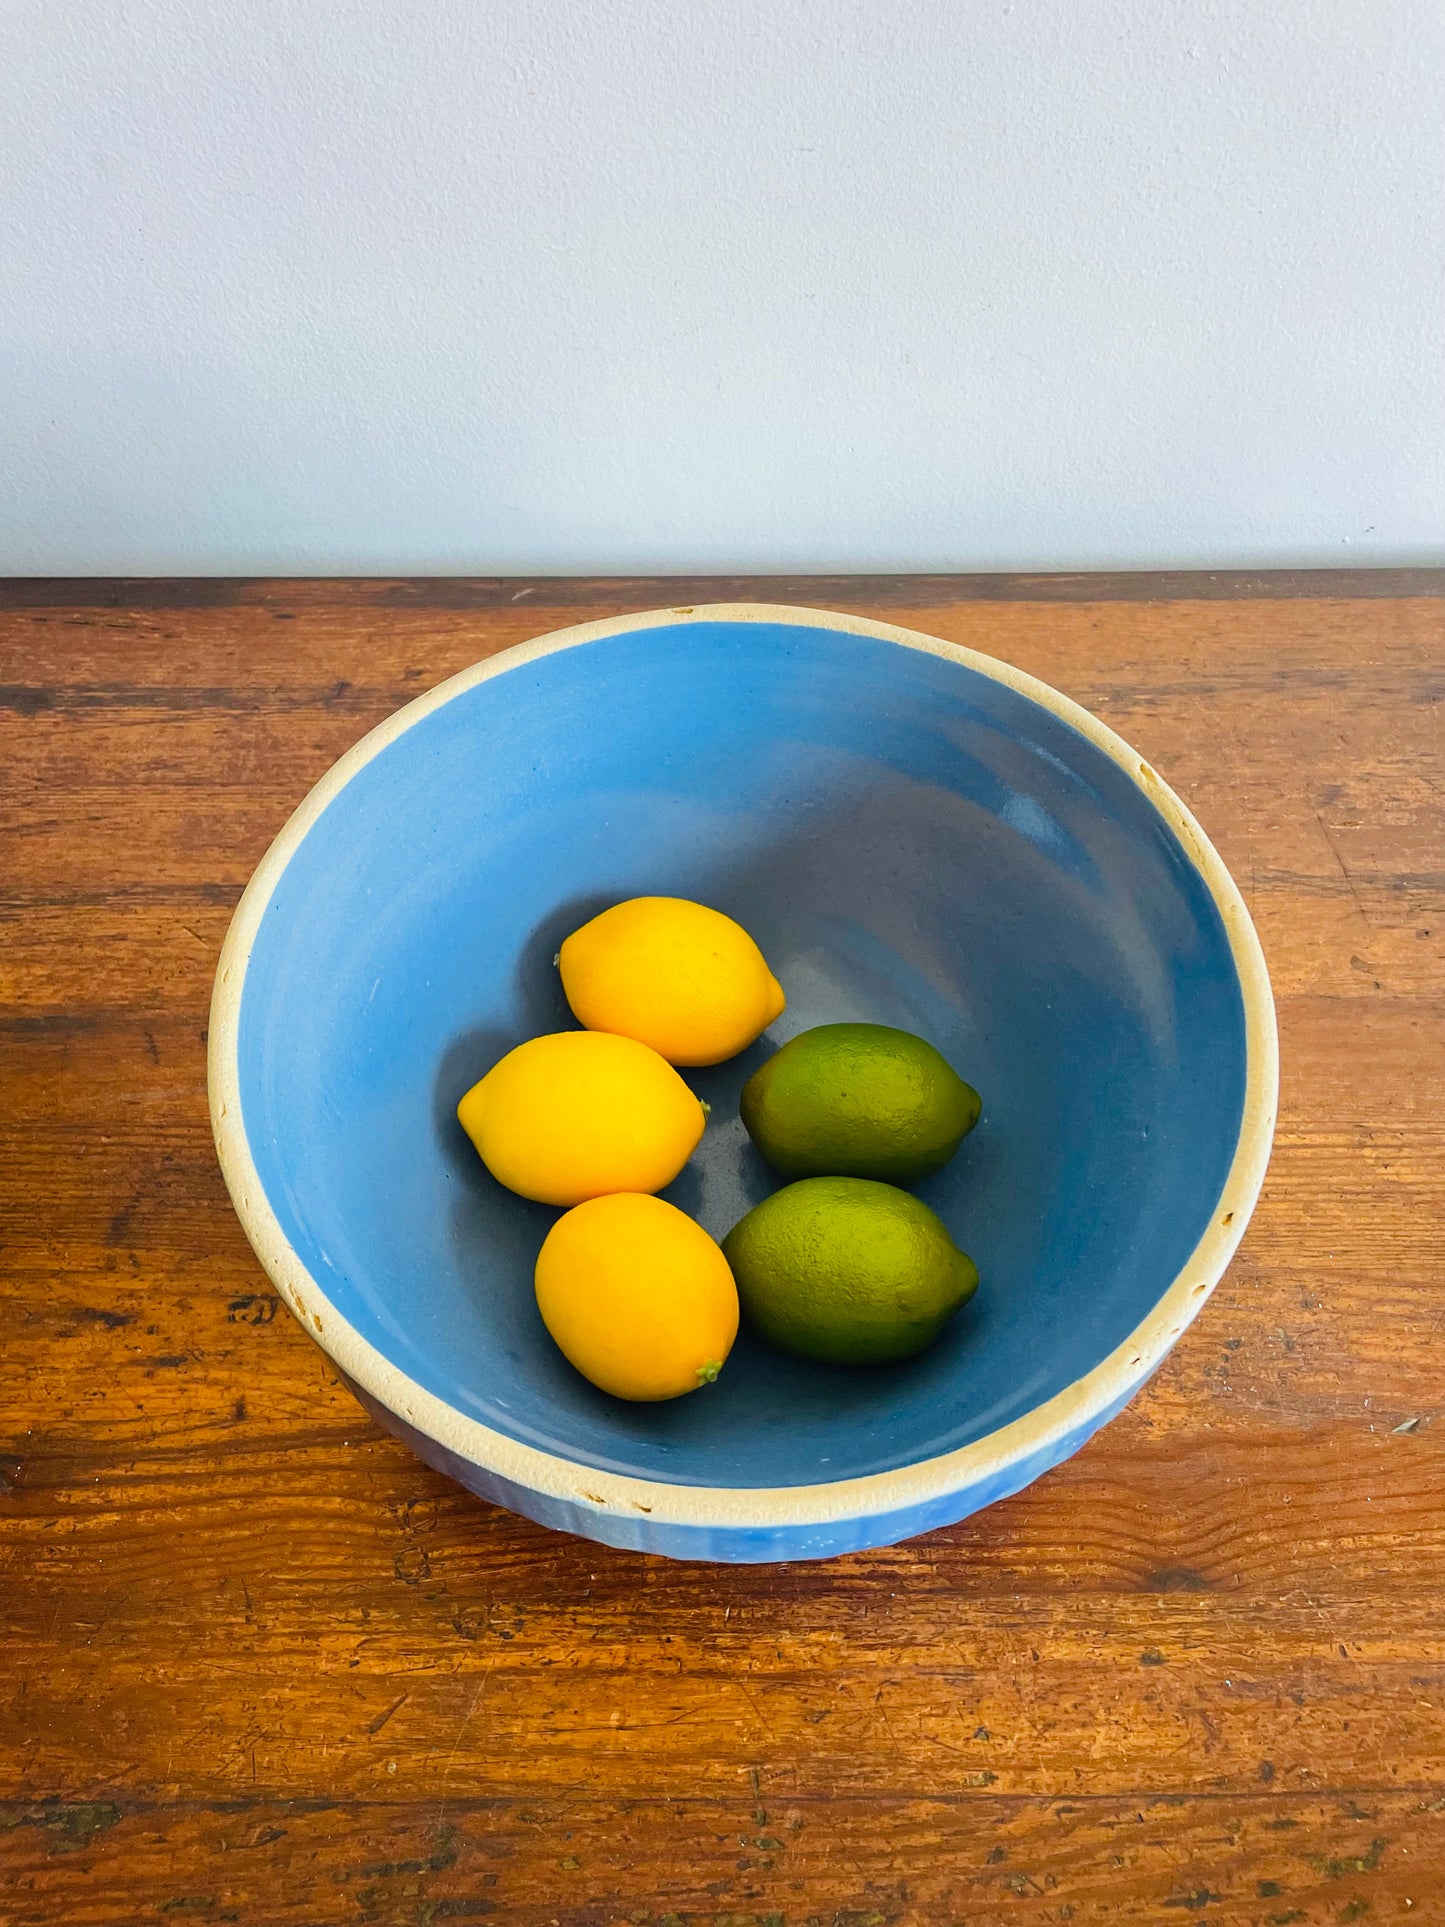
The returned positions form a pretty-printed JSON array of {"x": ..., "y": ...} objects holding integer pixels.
[{"x": 916, "y": 835}]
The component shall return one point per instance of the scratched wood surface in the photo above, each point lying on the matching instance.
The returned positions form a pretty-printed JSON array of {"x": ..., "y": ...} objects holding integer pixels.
[{"x": 261, "y": 1666}]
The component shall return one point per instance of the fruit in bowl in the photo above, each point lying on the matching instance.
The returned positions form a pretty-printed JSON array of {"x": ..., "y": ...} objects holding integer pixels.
[
  {"x": 581, "y": 1113},
  {"x": 677, "y": 975},
  {"x": 636, "y": 1295},
  {"x": 848, "y": 1270},
  {"x": 859, "y": 1101}
]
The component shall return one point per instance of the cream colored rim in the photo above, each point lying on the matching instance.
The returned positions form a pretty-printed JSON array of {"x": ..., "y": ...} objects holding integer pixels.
[{"x": 752, "y": 1507}]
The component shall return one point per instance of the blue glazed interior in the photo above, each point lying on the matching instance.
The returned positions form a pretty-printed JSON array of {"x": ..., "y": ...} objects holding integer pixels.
[{"x": 910, "y": 842}]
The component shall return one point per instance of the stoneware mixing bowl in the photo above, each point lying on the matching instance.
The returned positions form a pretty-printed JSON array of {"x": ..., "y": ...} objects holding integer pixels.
[{"x": 916, "y": 835}]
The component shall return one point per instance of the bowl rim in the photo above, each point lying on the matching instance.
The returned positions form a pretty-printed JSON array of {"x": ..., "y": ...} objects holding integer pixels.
[{"x": 1047, "y": 1428}]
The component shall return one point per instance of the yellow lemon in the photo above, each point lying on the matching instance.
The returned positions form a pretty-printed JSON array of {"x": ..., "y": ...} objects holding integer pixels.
[
  {"x": 673, "y": 974},
  {"x": 638, "y": 1297},
  {"x": 579, "y": 1114}
]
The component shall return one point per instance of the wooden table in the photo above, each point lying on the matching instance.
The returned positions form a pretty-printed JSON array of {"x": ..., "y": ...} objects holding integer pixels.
[{"x": 261, "y": 1666}]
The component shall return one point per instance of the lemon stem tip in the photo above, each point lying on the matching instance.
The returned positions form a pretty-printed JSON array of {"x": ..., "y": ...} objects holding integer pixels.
[{"x": 707, "y": 1374}]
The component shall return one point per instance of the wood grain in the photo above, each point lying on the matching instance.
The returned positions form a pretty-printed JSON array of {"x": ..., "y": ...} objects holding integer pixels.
[{"x": 261, "y": 1666}]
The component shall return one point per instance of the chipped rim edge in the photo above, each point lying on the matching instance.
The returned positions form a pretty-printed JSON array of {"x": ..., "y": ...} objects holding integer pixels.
[{"x": 750, "y": 1508}]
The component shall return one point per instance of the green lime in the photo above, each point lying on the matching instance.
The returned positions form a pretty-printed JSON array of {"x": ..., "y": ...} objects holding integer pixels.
[
  {"x": 860, "y": 1101},
  {"x": 847, "y": 1270}
]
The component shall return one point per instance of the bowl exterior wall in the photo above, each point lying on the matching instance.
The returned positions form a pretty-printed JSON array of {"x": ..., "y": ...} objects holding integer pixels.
[{"x": 734, "y": 1545}]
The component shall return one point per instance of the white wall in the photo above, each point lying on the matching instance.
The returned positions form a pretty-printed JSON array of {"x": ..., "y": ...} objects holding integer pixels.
[{"x": 494, "y": 285}]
